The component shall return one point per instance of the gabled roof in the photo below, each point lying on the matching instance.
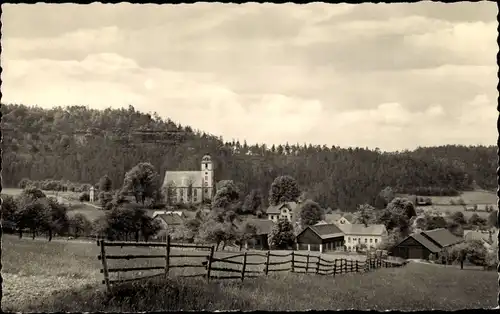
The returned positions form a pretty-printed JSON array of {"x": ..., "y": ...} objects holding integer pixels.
[
  {"x": 183, "y": 178},
  {"x": 171, "y": 219},
  {"x": 277, "y": 208},
  {"x": 331, "y": 218},
  {"x": 263, "y": 226},
  {"x": 326, "y": 231},
  {"x": 425, "y": 242},
  {"x": 443, "y": 237},
  {"x": 361, "y": 229}
]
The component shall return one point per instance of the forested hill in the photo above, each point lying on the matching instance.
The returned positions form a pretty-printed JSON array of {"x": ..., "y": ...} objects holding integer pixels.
[{"x": 80, "y": 145}]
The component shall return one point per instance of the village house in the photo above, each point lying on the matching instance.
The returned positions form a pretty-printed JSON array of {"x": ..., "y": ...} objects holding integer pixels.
[
  {"x": 322, "y": 237},
  {"x": 425, "y": 244},
  {"x": 260, "y": 240},
  {"x": 486, "y": 237},
  {"x": 340, "y": 218},
  {"x": 360, "y": 236},
  {"x": 190, "y": 186},
  {"x": 168, "y": 223},
  {"x": 284, "y": 210}
]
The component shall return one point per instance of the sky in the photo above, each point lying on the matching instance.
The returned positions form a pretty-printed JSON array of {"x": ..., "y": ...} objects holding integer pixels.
[{"x": 392, "y": 76}]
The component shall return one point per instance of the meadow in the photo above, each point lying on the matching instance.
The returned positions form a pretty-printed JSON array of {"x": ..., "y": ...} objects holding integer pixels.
[{"x": 64, "y": 276}]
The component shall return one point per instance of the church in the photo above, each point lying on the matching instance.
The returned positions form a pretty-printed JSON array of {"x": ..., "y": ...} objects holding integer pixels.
[{"x": 190, "y": 186}]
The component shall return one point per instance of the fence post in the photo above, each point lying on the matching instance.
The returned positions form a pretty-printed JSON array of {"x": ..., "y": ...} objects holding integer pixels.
[
  {"x": 317, "y": 264},
  {"x": 357, "y": 266},
  {"x": 293, "y": 261},
  {"x": 267, "y": 262},
  {"x": 307, "y": 262},
  {"x": 167, "y": 256},
  {"x": 105, "y": 265},
  {"x": 350, "y": 265},
  {"x": 209, "y": 266},
  {"x": 345, "y": 265},
  {"x": 335, "y": 268},
  {"x": 244, "y": 266}
]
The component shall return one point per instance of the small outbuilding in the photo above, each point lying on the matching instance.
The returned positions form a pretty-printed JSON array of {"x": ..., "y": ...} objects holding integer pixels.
[
  {"x": 322, "y": 237},
  {"x": 425, "y": 244}
]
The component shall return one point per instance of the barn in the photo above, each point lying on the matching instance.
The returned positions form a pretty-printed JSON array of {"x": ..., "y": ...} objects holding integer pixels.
[
  {"x": 424, "y": 244},
  {"x": 323, "y": 237}
]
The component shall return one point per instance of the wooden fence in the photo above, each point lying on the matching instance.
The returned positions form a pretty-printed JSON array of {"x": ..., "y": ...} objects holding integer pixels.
[{"x": 236, "y": 266}]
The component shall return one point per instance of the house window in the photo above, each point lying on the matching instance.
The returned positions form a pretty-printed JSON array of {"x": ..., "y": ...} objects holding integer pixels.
[
  {"x": 284, "y": 210},
  {"x": 195, "y": 192},
  {"x": 366, "y": 240},
  {"x": 206, "y": 191},
  {"x": 349, "y": 239},
  {"x": 371, "y": 240},
  {"x": 376, "y": 240}
]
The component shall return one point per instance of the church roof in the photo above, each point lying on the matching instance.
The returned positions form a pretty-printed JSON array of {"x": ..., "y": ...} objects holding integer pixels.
[{"x": 183, "y": 178}]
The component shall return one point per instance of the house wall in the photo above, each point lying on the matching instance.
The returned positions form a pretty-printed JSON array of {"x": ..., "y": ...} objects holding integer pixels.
[
  {"x": 273, "y": 217},
  {"x": 333, "y": 244},
  {"x": 410, "y": 248},
  {"x": 371, "y": 241}
]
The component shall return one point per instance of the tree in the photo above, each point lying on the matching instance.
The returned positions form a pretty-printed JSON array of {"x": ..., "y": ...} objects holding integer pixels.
[
  {"x": 57, "y": 219},
  {"x": 79, "y": 225},
  {"x": 492, "y": 219},
  {"x": 459, "y": 218},
  {"x": 476, "y": 221},
  {"x": 283, "y": 189},
  {"x": 365, "y": 214},
  {"x": 9, "y": 213},
  {"x": 253, "y": 203},
  {"x": 84, "y": 197},
  {"x": 310, "y": 213},
  {"x": 25, "y": 182},
  {"x": 384, "y": 197},
  {"x": 435, "y": 222},
  {"x": 105, "y": 183},
  {"x": 397, "y": 214},
  {"x": 227, "y": 195},
  {"x": 245, "y": 232},
  {"x": 105, "y": 200},
  {"x": 282, "y": 235},
  {"x": 142, "y": 181}
]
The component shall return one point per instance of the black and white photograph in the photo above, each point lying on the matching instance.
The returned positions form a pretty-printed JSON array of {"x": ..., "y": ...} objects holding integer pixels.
[{"x": 249, "y": 157}]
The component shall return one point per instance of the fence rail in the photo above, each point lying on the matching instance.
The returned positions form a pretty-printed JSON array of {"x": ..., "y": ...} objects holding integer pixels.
[{"x": 245, "y": 268}]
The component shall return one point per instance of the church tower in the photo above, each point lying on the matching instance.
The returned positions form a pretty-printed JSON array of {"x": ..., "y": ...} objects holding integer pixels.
[{"x": 207, "y": 177}]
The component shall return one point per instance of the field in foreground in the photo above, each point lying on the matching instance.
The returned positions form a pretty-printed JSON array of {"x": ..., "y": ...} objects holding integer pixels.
[{"x": 48, "y": 268}]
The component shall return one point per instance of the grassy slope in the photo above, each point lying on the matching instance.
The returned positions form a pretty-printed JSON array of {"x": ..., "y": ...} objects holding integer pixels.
[{"x": 73, "y": 267}]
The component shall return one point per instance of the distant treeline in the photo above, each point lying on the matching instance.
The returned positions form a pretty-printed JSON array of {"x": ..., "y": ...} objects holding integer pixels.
[{"x": 78, "y": 144}]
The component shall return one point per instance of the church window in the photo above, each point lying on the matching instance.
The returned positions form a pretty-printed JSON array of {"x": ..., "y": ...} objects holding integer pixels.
[
  {"x": 206, "y": 166},
  {"x": 206, "y": 191}
]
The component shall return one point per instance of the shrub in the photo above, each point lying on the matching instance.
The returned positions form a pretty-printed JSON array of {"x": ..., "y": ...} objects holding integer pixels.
[{"x": 84, "y": 197}]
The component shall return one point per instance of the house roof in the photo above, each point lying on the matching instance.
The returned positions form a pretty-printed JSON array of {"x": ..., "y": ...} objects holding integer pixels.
[
  {"x": 327, "y": 231},
  {"x": 183, "y": 178},
  {"x": 171, "y": 219},
  {"x": 425, "y": 242},
  {"x": 442, "y": 237},
  {"x": 330, "y": 218},
  {"x": 277, "y": 208},
  {"x": 263, "y": 226},
  {"x": 361, "y": 229}
]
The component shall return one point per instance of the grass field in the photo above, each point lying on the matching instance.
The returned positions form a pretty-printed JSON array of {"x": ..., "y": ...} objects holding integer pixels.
[{"x": 64, "y": 276}]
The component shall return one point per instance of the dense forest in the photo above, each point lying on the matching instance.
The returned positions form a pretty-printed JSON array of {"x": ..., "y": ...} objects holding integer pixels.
[{"x": 79, "y": 144}]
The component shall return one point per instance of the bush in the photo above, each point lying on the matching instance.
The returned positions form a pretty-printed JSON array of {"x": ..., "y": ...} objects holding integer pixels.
[
  {"x": 24, "y": 183},
  {"x": 84, "y": 197}
]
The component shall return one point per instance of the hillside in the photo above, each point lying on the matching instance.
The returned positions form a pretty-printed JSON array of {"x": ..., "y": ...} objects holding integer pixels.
[{"x": 80, "y": 145}]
